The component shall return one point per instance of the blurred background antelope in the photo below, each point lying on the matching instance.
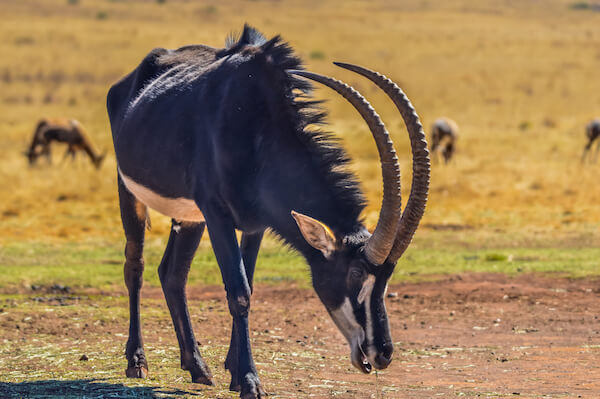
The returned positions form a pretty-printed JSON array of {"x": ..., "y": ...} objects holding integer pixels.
[
  {"x": 67, "y": 131},
  {"x": 444, "y": 133},
  {"x": 592, "y": 131}
]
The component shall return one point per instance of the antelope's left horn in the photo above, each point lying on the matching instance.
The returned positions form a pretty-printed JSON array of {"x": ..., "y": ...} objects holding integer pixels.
[{"x": 380, "y": 244}]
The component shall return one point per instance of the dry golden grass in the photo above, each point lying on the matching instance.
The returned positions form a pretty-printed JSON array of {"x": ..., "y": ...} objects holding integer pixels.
[{"x": 519, "y": 77}]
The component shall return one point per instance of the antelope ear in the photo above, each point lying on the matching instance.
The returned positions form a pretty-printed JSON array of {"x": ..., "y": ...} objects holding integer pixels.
[{"x": 317, "y": 234}]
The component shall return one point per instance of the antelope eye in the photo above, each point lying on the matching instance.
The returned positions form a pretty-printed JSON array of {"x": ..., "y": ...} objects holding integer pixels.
[{"x": 356, "y": 274}]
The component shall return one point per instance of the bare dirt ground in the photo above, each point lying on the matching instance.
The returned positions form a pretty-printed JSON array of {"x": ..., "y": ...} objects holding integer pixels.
[{"x": 473, "y": 335}]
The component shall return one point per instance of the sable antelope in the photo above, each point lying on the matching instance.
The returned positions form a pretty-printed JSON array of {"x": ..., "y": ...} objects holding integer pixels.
[
  {"x": 223, "y": 138},
  {"x": 444, "y": 133},
  {"x": 592, "y": 131},
  {"x": 68, "y": 131}
]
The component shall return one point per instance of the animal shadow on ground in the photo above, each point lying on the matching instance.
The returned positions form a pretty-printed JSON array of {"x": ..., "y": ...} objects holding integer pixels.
[{"x": 89, "y": 388}]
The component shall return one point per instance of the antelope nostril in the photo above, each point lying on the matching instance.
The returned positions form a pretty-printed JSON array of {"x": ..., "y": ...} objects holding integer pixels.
[
  {"x": 384, "y": 358},
  {"x": 388, "y": 350}
]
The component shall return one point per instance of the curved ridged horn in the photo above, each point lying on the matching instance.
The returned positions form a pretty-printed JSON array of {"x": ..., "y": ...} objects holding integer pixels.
[
  {"x": 415, "y": 207},
  {"x": 380, "y": 244}
]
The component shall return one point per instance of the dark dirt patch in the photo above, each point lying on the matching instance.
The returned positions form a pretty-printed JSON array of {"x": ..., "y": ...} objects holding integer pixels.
[{"x": 475, "y": 335}]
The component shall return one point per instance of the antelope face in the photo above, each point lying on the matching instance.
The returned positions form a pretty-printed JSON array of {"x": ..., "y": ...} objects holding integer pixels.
[
  {"x": 31, "y": 157},
  {"x": 362, "y": 317},
  {"x": 352, "y": 290}
]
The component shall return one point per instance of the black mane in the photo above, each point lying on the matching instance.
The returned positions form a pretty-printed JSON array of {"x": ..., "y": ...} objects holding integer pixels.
[
  {"x": 308, "y": 116},
  {"x": 249, "y": 36}
]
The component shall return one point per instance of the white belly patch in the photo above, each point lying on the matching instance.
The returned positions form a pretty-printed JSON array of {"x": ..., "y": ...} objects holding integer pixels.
[{"x": 180, "y": 209}]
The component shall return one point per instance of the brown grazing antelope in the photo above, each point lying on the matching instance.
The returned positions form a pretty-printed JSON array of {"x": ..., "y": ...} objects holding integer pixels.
[
  {"x": 68, "y": 131},
  {"x": 592, "y": 131},
  {"x": 444, "y": 133},
  {"x": 224, "y": 138}
]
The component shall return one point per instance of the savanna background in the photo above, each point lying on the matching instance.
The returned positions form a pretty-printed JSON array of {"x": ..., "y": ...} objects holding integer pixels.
[{"x": 515, "y": 206}]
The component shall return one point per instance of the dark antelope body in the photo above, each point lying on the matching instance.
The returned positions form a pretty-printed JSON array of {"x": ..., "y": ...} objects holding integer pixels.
[
  {"x": 224, "y": 138},
  {"x": 67, "y": 131}
]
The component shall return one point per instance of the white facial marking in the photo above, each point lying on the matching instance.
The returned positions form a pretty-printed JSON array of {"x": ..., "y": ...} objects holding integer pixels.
[
  {"x": 344, "y": 319},
  {"x": 355, "y": 335},
  {"x": 370, "y": 349},
  {"x": 182, "y": 209},
  {"x": 176, "y": 228}
]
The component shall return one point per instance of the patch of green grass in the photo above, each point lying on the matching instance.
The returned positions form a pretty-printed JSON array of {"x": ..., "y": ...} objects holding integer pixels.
[
  {"x": 317, "y": 55},
  {"x": 101, "y": 265},
  {"x": 101, "y": 15},
  {"x": 492, "y": 257},
  {"x": 580, "y": 5},
  {"x": 210, "y": 9},
  {"x": 569, "y": 262}
]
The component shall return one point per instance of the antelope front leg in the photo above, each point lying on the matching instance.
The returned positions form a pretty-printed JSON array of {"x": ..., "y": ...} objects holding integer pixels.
[
  {"x": 224, "y": 242},
  {"x": 596, "y": 152},
  {"x": 47, "y": 153},
  {"x": 585, "y": 151},
  {"x": 249, "y": 248},
  {"x": 173, "y": 272}
]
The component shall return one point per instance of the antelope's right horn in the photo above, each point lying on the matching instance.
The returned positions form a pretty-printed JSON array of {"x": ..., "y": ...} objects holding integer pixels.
[{"x": 415, "y": 206}]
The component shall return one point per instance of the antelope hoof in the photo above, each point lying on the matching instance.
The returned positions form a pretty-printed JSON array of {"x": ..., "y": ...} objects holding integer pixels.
[
  {"x": 251, "y": 388},
  {"x": 200, "y": 376},
  {"x": 137, "y": 371},
  {"x": 198, "y": 369},
  {"x": 235, "y": 386},
  {"x": 203, "y": 380},
  {"x": 254, "y": 395}
]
